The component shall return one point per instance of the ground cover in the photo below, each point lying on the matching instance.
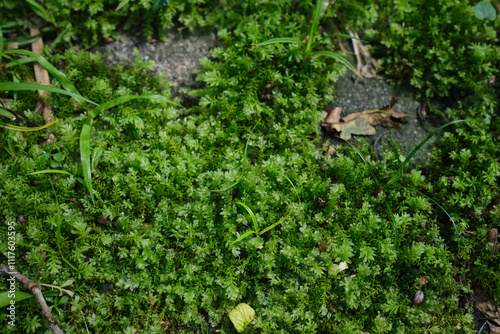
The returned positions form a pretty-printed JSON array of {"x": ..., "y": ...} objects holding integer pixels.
[{"x": 161, "y": 242}]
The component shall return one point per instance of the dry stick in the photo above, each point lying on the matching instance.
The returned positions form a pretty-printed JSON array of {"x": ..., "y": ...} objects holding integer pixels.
[
  {"x": 36, "y": 290},
  {"x": 41, "y": 76}
]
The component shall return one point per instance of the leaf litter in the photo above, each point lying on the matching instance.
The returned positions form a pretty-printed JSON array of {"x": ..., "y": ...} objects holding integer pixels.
[{"x": 363, "y": 123}]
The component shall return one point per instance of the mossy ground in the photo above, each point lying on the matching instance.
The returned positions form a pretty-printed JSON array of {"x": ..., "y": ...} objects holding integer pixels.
[{"x": 156, "y": 253}]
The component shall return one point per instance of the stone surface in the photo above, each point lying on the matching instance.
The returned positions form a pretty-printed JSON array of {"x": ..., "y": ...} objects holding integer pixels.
[
  {"x": 356, "y": 95},
  {"x": 179, "y": 58}
]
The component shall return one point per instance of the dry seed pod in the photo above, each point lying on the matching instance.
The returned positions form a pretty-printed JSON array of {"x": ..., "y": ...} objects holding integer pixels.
[{"x": 418, "y": 298}]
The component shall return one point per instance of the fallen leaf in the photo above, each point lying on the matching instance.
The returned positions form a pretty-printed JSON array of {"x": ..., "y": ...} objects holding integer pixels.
[
  {"x": 323, "y": 246},
  {"x": 312, "y": 136},
  {"x": 337, "y": 268},
  {"x": 362, "y": 123},
  {"x": 334, "y": 116},
  {"x": 486, "y": 305},
  {"x": 423, "y": 281},
  {"x": 241, "y": 316},
  {"x": 330, "y": 151}
]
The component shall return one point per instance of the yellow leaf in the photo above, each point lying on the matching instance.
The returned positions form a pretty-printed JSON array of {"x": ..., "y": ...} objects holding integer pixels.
[{"x": 241, "y": 316}]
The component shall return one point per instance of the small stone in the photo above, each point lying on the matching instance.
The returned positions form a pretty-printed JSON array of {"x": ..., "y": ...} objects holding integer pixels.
[{"x": 418, "y": 298}]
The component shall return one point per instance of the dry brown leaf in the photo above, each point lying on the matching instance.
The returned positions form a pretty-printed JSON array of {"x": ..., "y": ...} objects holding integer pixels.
[
  {"x": 330, "y": 151},
  {"x": 486, "y": 305},
  {"x": 362, "y": 123},
  {"x": 423, "y": 281},
  {"x": 334, "y": 116}
]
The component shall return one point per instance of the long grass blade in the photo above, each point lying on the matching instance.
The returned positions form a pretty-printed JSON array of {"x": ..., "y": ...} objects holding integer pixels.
[
  {"x": 444, "y": 210},
  {"x": 85, "y": 155},
  {"x": 26, "y": 129},
  {"x": 17, "y": 62},
  {"x": 394, "y": 222},
  {"x": 7, "y": 114},
  {"x": 415, "y": 150},
  {"x": 58, "y": 75},
  {"x": 281, "y": 40},
  {"x": 243, "y": 236},
  {"x": 314, "y": 26},
  {"x": 20, "y": 86},
  {"x": 1, "y": 43},
  {"x": 252, "y": 216},
  {"x": 5, "y": 297},
  {"x": 339, "y": 58},
  {"x": 274, "y": 225},
  {"x": 57, "y": 171},
  {"x": 110, "y": 104},
  {"x": 364, "y": 160}
]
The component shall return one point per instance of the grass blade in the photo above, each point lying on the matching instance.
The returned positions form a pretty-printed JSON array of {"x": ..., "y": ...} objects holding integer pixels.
[
  {"x": 26, "y": 129},
  {"x": 57, "y": 171},
  {"x": 85, "y": 155},
  {"x": 110, "y": 104},
  {"x": 20, "y": 86},
  {"x": 274, "y": 225},
  {"x": 281, "y": 40},
  {"x": 364, "y": 160},
  {"x": 5, "y": 299},
  {"x": 446, "y": 212},
  {"x": 1, "y": 42},
  {"x": 314, "y": 26},
  {"x": 21, "y": 61},
  {"x": 339, "y": 58},
  {"x": 61, "y": 77},
  {"x": 415, "y": 150},
  {"x": 7, "y": 114},
  {"x": 243, "y": 236},
  {"x": 96, "y": 155},
  {"x": 252, "y": 216}
]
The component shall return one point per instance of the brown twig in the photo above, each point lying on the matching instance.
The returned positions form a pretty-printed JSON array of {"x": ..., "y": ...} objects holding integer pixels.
[
  {"x": 36, "y": 290},
  {"x": 42, "y": 76}
]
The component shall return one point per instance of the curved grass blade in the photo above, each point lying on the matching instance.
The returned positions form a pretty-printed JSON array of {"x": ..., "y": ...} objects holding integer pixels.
[
  {"x": 21, "y": 61},
  {"x": 20, "y": 86},
  {"x": 281, "y": 40},
  {"x": 273, "y": 225},
  {"x": 96, "y": 155},
  {"x": 227, "y": 188},
  {"x": 415, "y": 150},
  {"x": 7, "y": 114},
  {"x": 122, "y": 99},
  {"x": 57, "y": 171},
  {"x": 26, "y": 129},
  {"x": 58, "y": 75},
  {"x": 339, "y": 58},
  {"x": 252, "y": 216},
  {"x": 85, "y": 155},
  {"x": 364, "y": 160},
  {"x": 444, "y": 210},
  {"x": 243, "y": 236}
]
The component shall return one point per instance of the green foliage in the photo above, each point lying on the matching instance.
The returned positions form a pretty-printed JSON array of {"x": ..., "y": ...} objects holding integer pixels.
[
  {"x": 156, "y": 250},
  {"x": 439, "y": 47}
]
